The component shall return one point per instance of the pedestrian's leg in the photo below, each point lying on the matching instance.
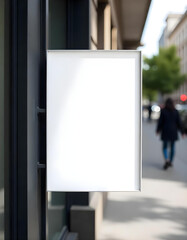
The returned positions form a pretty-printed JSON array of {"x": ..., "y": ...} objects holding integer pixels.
[
  {"x": 165, "y": 152},
  {"x": 164, "y": 149},
  {"x": 172, "y": 151}
]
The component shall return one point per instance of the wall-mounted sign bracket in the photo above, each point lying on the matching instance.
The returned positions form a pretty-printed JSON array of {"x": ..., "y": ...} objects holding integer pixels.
[
  {"x": 41, "y": 165},
  {"x": 40, "y": 110}
]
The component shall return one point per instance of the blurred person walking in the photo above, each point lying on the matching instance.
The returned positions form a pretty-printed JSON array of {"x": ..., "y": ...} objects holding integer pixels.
[
  {"x": 149, "y": 108},
  {"x": 168, "y": 125}
]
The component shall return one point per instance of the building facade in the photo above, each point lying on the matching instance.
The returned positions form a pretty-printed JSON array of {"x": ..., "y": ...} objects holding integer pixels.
[
  {"x": 175, "y": 33},
  {"x": 171, "y": 22},
  {"x": 32, "y": 27}
]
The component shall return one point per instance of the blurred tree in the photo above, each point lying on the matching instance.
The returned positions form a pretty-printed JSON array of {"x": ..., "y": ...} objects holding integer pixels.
[
  {"x": 161, "y": 73},
  {"x": 149, "y": 94}
]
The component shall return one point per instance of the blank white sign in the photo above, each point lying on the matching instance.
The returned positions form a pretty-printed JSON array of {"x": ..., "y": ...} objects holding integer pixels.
[{"x": 93, "y": 120}]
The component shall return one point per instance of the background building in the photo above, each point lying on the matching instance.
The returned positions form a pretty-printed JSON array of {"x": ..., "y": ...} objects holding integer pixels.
[
  {"x": 171, "y": 22},
  {"x": 33, "y": 26},
  {"x": 175, "y": 33}
]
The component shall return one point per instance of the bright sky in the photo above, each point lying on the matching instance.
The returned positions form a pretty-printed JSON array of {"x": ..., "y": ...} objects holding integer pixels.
[{"x": 155, "y": 23}]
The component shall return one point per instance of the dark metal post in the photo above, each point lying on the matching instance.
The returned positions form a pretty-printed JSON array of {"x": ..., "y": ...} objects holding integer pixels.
[{"x": 25, "y": 185}]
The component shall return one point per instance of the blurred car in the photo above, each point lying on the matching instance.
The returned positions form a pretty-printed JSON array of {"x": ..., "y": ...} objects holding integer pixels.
[
  {"x": 154, "y": 109},
  {"x": 182, "y": 108}
]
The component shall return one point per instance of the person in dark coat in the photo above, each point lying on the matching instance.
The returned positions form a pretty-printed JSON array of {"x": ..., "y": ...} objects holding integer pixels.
[
  {"x": 168, "y": 125},
  {"x": 149, "y": 112}
]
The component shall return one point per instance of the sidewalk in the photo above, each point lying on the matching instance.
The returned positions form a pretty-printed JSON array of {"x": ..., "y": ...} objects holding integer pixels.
[{"x": 159, "y": 211}]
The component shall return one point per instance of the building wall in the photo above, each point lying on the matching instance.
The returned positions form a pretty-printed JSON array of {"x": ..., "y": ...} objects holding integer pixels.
[
  {"x": 179, "y": 38},
  {"x": 171, "y": 22},
  {"x": 162, "y": 39},
  {"x": 93, "y": 25},
  {"x": 103, "y": 35},
  {"x": 68, "y": 30},
  {"x": 175, "y": 33}
]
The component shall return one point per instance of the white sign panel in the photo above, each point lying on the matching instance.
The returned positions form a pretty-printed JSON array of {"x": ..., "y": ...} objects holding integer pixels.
[{"x": 93, "y": 120}]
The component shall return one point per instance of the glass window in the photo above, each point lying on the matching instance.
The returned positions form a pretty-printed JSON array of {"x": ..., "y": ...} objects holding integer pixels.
[{"x": 57, "y": 24}]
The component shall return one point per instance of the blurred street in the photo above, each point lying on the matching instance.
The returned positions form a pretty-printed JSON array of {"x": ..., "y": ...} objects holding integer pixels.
[{"x": 159, "y": 211}]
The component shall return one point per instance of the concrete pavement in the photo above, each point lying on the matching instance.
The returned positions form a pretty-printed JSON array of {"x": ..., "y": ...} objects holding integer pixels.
[{"x": 159, "y": 211}]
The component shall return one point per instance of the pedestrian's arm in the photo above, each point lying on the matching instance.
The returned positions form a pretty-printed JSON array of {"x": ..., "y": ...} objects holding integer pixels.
[
  {"x": 180, "y": 125},
  {"x": 160, "y": 123}
]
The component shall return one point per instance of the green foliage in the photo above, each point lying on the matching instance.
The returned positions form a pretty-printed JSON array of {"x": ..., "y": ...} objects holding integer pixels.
[
  {"x": 161, "y": 73},
  {"x": 149, "y": 94}
]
